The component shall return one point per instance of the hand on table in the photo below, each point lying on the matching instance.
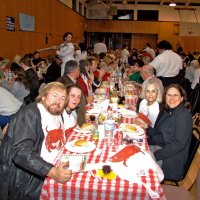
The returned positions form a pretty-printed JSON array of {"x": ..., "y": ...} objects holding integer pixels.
[
  {"x": 90, "y": 99},
  {"x": 60, "y": 173}
]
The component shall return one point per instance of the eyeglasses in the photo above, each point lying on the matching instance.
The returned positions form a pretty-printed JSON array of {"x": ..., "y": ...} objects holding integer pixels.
[{"x": 173, "y": 95}]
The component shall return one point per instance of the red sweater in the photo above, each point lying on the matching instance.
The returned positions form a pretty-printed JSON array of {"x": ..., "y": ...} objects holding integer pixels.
[
  {"x": 80, "y": 82},
  {"x": 105, "y": 77}
]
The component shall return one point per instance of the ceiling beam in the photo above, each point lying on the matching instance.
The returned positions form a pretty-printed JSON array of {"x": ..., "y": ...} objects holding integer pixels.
[
  {"x": 136, "y": 2},
  {"x": 162, "y": 2},
  {"x": 187, "y": 3}
]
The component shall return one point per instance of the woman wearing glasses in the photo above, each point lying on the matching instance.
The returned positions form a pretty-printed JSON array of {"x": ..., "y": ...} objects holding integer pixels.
[{"x": 170, "y": 138}]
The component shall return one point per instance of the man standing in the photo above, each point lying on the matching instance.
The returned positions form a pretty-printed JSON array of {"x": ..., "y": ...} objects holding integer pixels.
[
  {"x": 100, "y": 47},
  {"x": 66, "y": 51},
  {"x": 32, "y": 141},
  {"x": 149, "y": 50},
  {"x": 167, "y": 64}
]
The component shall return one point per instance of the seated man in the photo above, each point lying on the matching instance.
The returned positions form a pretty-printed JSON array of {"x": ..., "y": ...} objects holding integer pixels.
[
  {"x": 9, "y": 105},
  {"x": 27, "y": 151}
]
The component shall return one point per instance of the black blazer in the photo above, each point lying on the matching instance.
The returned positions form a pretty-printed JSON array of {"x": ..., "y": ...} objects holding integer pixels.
[{"x": 172, "y": 132}]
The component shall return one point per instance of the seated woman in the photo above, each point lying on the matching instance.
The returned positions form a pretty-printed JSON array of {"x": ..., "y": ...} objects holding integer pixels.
[
  {"x": 84, "y": 81},
  {"x": 96, "y": 76},
  {"x": 75, "y": 111},
  {"x": 171, "y": 135},
  {"x": 19, "y": 87},
  {"x": 151, "y": 94}
]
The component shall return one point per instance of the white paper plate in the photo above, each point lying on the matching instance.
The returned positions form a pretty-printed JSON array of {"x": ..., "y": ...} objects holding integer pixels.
[
  {"x": 69, "y": 146},
  {"x": 139, "y": 133},
  {"x": 126, "y": 112},
  {"x": 78, "y": 130}
]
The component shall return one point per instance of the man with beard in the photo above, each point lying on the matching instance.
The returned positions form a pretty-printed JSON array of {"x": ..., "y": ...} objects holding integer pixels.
[{"x": 33, "y": 139}]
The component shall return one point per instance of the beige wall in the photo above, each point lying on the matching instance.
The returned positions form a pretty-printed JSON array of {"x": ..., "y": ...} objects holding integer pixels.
[
  {"x": 164, "y": 30},
  {"x": 52, "y": 19}
]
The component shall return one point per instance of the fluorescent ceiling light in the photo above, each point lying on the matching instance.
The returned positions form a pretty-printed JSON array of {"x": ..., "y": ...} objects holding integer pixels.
[{"x": 172, "y": 3}]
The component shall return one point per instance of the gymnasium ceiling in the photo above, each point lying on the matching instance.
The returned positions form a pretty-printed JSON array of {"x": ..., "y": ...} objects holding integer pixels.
[{"x": 182, "y": 3}]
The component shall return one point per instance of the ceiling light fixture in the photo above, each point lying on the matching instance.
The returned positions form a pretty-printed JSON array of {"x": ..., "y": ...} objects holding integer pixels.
[{"x": 172, "y": 3}]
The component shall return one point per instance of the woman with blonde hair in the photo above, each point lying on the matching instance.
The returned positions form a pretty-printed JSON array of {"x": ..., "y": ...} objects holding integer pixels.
[{"x": 151, "y": 94}]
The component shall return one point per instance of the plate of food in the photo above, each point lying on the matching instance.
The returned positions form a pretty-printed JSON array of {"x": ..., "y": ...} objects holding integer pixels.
[
  {"x": 131, "y": 130},
  {"x": 127, "y": 113},
  {"x": 85, "y": 128},
  {"x": 80, "y": 146}
]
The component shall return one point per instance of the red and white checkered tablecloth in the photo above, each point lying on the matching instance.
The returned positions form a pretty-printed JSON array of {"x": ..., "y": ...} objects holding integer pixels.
[
  {"x": 131, "y": 100},
  {"x": 127, "y": 120},
  {"x": 84, "y": 186}
]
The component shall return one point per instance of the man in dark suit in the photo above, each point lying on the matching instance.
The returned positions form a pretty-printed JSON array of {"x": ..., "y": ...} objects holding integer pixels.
[
  {"x": 54, "y": 69},
  {"x": 71, "y": 73}
]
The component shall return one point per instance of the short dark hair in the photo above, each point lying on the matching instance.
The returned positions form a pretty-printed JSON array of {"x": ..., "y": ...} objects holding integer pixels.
[
  {"x": 70, "y": 66},
  {"x": 26, "y": 60},
  {"x": 182, "y": 93},
  {"x": 66, "y": 34},
  {"x": 148, "y": 45},
  {"x": 50, "y": 59},
  {"x": 164, "y": 44}
]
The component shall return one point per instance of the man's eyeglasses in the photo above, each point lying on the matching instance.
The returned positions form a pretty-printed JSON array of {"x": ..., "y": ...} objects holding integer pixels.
[{"x": 173, "y": 95}]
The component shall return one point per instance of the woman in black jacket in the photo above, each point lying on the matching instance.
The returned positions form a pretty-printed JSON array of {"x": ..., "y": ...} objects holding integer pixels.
[{"x": 171, "y": 135}]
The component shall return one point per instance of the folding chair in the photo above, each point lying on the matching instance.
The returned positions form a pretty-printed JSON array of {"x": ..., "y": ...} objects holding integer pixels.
[{"x": 174, "y": 192}]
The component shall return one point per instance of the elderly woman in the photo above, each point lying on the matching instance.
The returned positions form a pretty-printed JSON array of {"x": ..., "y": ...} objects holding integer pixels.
[
  {"x": 151, "y": 94},
  {"x": 75, "y": 110},
  {"x": 171, "y": 135}
]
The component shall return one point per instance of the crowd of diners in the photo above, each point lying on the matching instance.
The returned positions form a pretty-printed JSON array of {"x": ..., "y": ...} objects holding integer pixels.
[{"x": 71, "y": 78}]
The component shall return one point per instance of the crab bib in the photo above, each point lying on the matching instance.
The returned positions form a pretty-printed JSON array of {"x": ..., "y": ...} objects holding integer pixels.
[{"x": 53, "y": 129}]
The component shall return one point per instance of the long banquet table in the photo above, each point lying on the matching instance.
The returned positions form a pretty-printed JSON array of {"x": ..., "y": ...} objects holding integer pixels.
[{"x": 85, "y": 186}]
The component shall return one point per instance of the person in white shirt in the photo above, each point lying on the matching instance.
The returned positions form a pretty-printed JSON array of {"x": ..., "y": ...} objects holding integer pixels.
[
  {"x": 100, "y": 47},
  {"x": 189, "y": 72},
  {"x": 124, "y": 54},
  {"x": 81, "y": 52},
  {"x": 152, "y": 95},
  {"x": 167, "y": 64},
  {"x": 196, "y": 78},
  {"x": 149, "y": 50},
  {"x": 66, "y": 52},
  {"x": 9, "y": 105}
]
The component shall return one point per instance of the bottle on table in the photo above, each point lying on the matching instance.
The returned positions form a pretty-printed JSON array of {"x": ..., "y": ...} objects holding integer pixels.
[
  {"x": 95, "y": 135},
  {"x": 109, "y": 127},
  {"x": 116, "y": 81},
  {"x": 9, "y": 75},
  {"x": 121, "y": 95}
]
